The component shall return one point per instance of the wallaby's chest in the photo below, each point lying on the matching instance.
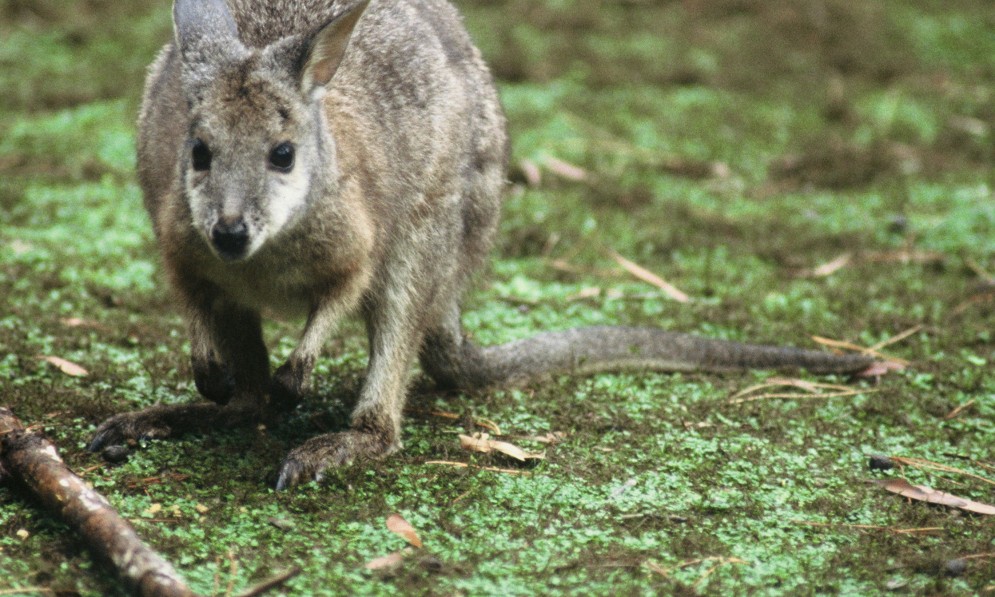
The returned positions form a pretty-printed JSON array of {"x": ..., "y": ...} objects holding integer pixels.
[{"x": 286, "y": 284}]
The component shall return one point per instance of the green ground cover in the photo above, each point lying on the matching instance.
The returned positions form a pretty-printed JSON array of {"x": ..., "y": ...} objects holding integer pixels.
[{"x": 731, "y": 146}]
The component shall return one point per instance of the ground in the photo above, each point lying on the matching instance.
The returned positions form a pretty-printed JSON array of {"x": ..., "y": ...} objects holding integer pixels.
[{"x": 799, "y": 169}]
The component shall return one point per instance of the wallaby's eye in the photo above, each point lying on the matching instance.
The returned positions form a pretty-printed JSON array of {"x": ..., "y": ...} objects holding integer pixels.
[
  {"x": 282, "y": 157},
  {"x": 201, "y": 156}
]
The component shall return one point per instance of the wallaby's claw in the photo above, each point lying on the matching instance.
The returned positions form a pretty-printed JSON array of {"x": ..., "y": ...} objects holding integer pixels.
[{"x": 310, "y": 460}]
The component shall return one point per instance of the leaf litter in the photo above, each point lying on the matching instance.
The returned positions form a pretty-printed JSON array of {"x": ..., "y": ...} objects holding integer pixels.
[
  {"x": 929, "y": 495},
  {"x": 481, "y": 442}
]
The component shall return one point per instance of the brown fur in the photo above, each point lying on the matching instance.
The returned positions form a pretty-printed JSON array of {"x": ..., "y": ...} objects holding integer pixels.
[{"x": 389, "y": 208}]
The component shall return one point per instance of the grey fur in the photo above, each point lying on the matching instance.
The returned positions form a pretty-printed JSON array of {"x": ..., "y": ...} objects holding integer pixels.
[{"x": 391, "y": 204}]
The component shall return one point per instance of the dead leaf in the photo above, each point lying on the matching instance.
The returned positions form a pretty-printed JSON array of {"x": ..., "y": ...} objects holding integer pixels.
[
  {"x": 926, "y": 494},
  {"x": 879, "y": 368},
  {"x": 67, "y": 367},
  {"x": 481, "y": 442},
  {"x": 650, "y": 278},
  {"x": 387, "y": 562},
  {"x": 397, "y": 525}
]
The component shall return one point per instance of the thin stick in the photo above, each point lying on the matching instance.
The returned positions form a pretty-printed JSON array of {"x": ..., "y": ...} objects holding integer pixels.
[
  {"x": 272, "y": 583},
  {"x": 869, "y": 527},
  {"x": 32, "y": 459},
  {"x": 492, "y": 469},
  {"x": 952, "y": 414}
]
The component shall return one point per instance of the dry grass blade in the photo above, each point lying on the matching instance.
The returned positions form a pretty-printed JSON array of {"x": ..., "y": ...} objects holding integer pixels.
[
  {"x": 650, "y": 278},
  {"x": 861, "y": 349},
  {"x": 894, "y": 339},
  {"x": 937, "y": 466},
  {"x": 869, "y": 527},
  {"x": 932, "y": 496},
  {"x": 720, "y": 561},
  {"x": 811, "y": 390},
  {"x": 483, "y": 423},
  {"x": 493, "y": 469},
  {"x": 979, "y": 556},
  {"x": 402, "y": 528}
]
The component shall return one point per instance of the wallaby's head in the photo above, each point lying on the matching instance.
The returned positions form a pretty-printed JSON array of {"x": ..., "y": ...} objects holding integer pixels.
[{"x": 256, "y": 143}]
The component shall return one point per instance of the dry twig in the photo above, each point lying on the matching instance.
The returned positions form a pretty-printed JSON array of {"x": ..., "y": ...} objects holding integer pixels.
[{"x": 30, "y": 458}]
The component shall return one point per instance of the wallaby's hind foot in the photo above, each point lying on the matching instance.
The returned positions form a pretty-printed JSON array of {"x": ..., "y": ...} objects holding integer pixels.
[{"x": 164, "y": 421}]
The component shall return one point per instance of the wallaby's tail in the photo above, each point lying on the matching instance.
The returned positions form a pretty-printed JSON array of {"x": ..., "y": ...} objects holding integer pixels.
[{"x": 599, "y": 349}]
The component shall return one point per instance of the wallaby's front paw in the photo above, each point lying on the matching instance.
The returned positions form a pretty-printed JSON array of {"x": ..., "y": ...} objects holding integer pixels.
[
  {"x": 214, "y": 380},
  {"x": 119, "y": 429},
  {"x": 162, "y": 421},
  {"x": 288, "y": 385},
  {"x": 309, "y": 461}
]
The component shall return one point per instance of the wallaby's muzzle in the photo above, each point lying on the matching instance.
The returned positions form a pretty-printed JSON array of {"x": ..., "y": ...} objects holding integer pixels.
[{"x": 230, "y": 238}]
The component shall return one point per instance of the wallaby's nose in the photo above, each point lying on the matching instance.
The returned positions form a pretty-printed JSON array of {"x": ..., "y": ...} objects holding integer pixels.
[{"x": 230, "y": 237}]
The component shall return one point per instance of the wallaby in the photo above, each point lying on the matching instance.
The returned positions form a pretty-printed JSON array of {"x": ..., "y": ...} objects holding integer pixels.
[{"x": 319, "y": 157}]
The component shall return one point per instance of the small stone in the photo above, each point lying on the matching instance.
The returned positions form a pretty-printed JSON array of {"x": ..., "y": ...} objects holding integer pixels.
[
  {"x": 115, "y": 454},
  {"x": 880, "y": 462},
  {"x": 955, "y": 567}
]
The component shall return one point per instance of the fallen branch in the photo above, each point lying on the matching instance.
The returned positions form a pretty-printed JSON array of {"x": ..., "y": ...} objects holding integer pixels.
[{"x": 27, "y": 456}]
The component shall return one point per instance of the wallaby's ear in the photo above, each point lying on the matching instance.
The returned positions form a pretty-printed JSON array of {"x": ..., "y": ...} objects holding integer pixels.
[
  {"x": 200, "y": 23},
  {"x": 206, "y": 33},
  {"x": 324, "y": 50}
]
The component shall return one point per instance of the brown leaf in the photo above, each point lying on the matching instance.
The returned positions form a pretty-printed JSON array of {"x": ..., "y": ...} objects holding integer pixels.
[
  {"x": 926, "y": 494},
  {"x": 397, "y": 525},
  {"x": 481, "y": 442},
  {"x": 879, "y": 368},
  {"x": 387, "y": 562},
  {"x": 67, "y": 367}
]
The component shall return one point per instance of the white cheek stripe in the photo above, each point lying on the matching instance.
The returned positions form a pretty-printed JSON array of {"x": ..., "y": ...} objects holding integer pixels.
[{"x": 288, "y": 196}]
